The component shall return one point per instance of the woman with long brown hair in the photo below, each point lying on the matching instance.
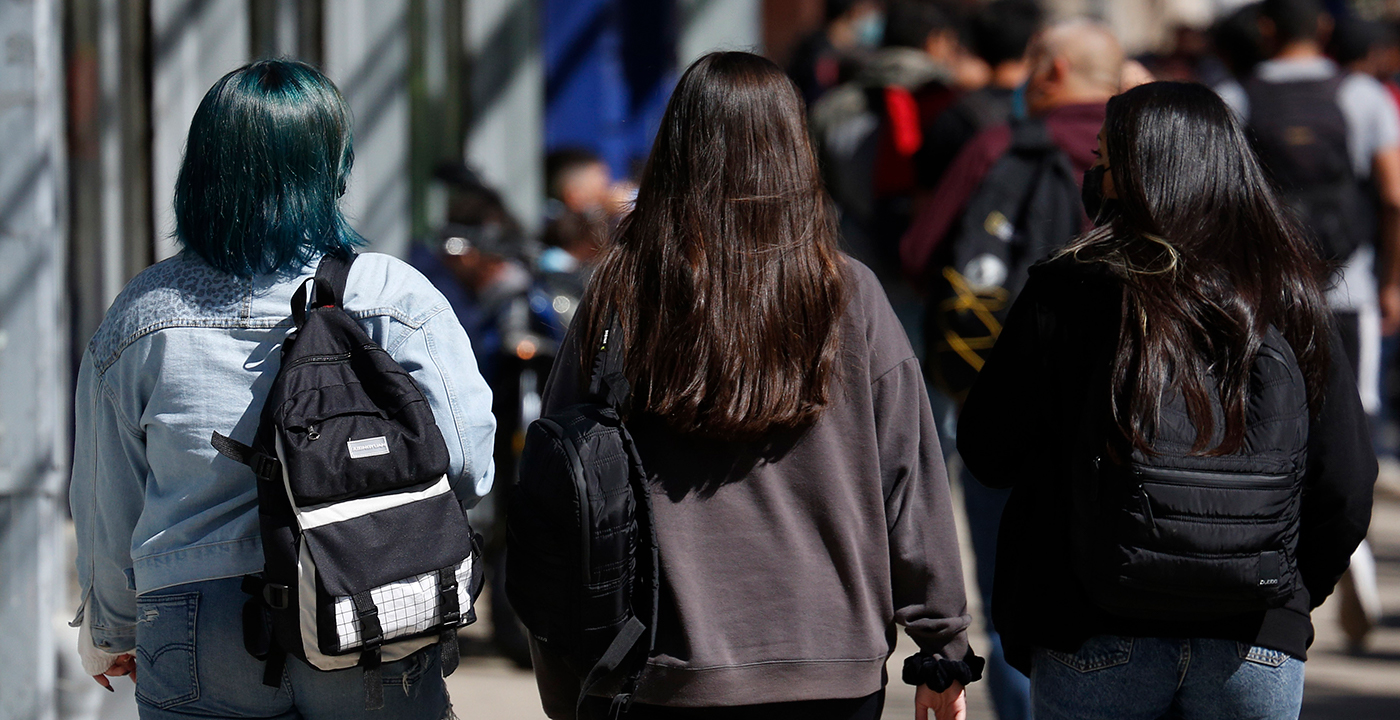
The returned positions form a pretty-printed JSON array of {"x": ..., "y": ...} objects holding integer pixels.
[{"x": 802, "y": 507}]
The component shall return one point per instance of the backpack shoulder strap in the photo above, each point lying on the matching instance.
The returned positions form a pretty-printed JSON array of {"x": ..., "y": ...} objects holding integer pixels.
[
  {"x": 1031, "y": 135},
  {"x": 328, "y": 286},
  {"x": 608, "y": 385},
  {"x": 336, "y": 271}
]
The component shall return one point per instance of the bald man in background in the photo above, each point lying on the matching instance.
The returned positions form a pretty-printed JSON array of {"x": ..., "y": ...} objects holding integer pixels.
[{"x": 1075, "y": 67}]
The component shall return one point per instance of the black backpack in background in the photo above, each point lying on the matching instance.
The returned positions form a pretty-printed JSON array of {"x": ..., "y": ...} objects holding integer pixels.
[
  {"x": 368, "y": 553},
  {"x": 581, "y": 551},
  {"x": 1178, "y": 536},
  {"x": 1300, "y": 133},
  {"x": 1027, "y": 207}
]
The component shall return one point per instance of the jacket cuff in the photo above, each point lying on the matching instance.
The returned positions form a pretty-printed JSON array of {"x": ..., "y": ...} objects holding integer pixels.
[
  {"x": 939, "y": 673},
  {"x": 95, "y": 660},
  {"x": 113, "y": 640}
]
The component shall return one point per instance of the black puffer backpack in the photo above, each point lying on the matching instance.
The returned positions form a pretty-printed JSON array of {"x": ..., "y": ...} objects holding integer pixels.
[
  {"x": 1182, "y": 536},
  {"x": 581, "y": 547}
]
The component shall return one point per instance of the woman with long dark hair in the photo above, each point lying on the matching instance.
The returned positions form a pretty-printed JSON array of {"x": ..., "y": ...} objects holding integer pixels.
[
  {"x": 802, "y": 507},
  {"x": 1189, "y": 460},
  {"x": 166, "y": 527}
]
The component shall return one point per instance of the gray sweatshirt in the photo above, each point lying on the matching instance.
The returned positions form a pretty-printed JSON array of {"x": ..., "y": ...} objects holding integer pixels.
[{"x": 786, "y": 565}]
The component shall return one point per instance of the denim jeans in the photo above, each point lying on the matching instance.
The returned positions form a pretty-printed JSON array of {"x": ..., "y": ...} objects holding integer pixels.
[
  {"x": 1010, "y": 690},
  {"x": 1149, "y": 678},
  {"x": 190, "y": 662}
]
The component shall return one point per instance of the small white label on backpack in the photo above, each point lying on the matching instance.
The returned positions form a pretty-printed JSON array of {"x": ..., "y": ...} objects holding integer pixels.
[{"x": 369, "y": 447}]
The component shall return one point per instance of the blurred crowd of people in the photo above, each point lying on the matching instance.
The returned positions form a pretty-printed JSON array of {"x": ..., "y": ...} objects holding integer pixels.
[
  {"x": 954, "y": 141},
  {"x": 953, "y": 137}
]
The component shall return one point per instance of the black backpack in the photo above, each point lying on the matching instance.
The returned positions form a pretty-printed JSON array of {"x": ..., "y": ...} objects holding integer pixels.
[
  {"x": 581, "y": 546},
  {"x": 368, "y": 553},
  {"x": 1300, "y": 134},
  {"x": 1027, "y": 207},
  {"x": 1178, "y": 536}
]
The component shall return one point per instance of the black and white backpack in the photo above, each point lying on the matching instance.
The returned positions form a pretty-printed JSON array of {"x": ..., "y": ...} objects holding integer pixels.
[{"x": 368, "y": 553}]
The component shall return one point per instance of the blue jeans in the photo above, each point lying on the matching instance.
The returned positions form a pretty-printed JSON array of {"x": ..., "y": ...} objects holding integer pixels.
[
  {"x": 190, "y": 662},
  {"x": 1010, "y": 690},
  {"x": 1149, "y": 678}
]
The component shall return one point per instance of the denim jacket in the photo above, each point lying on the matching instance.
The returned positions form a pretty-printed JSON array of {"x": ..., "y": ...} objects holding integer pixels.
[{"x": 186, "y": 350}]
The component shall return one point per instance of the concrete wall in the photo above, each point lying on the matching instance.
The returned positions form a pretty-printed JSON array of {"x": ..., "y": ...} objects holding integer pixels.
[
  {"x": 505, "y": 128},
  {"x": 194, "y": 43},
  {"x": 366, "y": 55},
  {"x": 33, "y": 363},
  {"x": 718, "y": 25}
]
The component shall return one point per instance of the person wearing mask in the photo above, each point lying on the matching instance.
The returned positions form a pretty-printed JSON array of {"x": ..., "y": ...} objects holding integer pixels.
[
  {"x": 999, "y": 33},
  {"x": 1331, "y": 139},
  {"x": 1188, "y": 459},
  {"x": 827, "y": 57},
  {"x": 801, "y": 504},
  {"x": 867, "y": 130},
  {"x": 584, "y": 206},
  {"x": 166, "y": 527},
  {"x": 1075, "y": 66}
]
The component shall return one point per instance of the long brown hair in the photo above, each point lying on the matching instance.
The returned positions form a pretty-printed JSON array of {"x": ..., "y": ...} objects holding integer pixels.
[
  {"x": 726, "y": 278},
  {"x": 1209, "y": 259}
]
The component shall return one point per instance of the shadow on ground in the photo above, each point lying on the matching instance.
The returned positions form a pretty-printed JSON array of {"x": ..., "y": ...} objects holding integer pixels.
[{"x": 1326, "y": 706}]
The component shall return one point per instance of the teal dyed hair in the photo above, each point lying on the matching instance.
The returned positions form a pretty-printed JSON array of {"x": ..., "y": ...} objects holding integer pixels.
[{"x": 265, "y": 165}]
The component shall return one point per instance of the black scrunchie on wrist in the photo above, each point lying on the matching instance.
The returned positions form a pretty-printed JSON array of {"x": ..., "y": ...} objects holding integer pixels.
[{"x": 940, "y": 673}]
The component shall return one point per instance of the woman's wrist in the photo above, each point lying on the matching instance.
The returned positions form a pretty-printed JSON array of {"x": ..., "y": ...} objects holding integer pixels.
[{"x": 939, "y": 673}]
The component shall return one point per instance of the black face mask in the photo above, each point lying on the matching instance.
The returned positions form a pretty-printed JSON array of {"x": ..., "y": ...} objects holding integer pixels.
[{"x": 1099, "y": 208}]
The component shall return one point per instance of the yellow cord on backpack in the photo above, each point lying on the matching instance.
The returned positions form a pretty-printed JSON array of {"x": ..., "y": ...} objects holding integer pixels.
[{"x": 966, "y": 299}]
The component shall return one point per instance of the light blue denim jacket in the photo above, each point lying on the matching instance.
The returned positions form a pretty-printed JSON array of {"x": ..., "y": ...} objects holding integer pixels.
[{"x": 186, "y": 350}]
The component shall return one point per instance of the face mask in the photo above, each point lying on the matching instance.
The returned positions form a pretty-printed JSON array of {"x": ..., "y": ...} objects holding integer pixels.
[
  {"x": 870, "y": 30},
  {"x": 1099, "y": 208}
]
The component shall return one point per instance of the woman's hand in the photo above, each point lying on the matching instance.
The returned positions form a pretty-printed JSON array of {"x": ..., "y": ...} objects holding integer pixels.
[
  {"x": 124, "y": 665},
  {"x": 951, "y": 704}
]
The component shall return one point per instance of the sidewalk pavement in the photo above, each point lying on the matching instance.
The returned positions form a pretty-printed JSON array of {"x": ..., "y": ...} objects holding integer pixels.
[
  {"x": 1339, "y": 686},
  {"x": 1365, "y": 687}
]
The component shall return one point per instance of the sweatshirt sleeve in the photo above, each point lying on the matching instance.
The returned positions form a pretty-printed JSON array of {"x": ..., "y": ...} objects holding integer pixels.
[
  {"x": 996, "y": 411},
  {"x": 1341, "y": 476},
  {"x": 925, "y": 564}
]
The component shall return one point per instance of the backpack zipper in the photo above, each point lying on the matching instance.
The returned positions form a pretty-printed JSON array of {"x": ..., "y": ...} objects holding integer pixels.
[
  {"x": 1211, "y": 479},
  {"x": 319, "y": 359},
  {"x": 1147, "y": 506}
]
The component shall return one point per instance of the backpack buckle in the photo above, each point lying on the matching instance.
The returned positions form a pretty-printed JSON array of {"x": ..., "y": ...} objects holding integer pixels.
[
  {"x": 447, "y": 595},
  {"x": 266, "y": 467},
  {"x": 276, "y": 596},
  {"x": 371, "y": 635}
]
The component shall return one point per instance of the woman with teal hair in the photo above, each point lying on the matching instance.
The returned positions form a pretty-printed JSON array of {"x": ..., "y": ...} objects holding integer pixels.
[{"x": 166, "y": 527}]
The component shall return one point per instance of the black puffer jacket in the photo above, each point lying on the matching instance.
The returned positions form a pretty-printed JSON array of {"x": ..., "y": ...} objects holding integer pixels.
[{"x": 1020, "y": 429}]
